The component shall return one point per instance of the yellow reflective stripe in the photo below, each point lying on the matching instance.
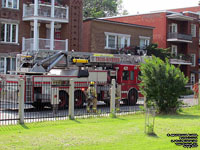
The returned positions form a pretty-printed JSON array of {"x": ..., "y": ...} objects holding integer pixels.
[{"x": 108, "y": 55}]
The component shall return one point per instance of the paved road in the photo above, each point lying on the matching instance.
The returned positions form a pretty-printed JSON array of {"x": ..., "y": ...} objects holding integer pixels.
[{"x": 10, "y": 111}]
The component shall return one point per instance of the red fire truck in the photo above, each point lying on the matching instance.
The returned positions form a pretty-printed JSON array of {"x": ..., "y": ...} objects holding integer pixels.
[{"x": 44, "y": 74}]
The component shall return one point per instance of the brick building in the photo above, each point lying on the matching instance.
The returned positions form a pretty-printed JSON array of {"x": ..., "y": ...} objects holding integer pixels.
[
  {"x": 38, "y": 24},
  {"x": 176, "y": 29},
  {"x": 106, "y": 36}
]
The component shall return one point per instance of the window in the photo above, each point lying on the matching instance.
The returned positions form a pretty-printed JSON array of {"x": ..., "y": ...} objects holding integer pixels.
[
  {"x": 2, "y": 65},
  {"x": 10, "y": 4},
  {"x": 173, "y": 28},
  {"x": 13, "y": 64},
  {"x": 125, "y": 75},
  {"x": 192, "y": 78},
  {"x": 144, "y": 41},
  {"x": 193, "y": 57},
  {"x": 199, "y": 35},
  {"x": 7, "y": 64},
  {"x": 9, "y": 33},
  {"x": 132, "y": 75},
  {"x": 115, "y": 40},
  {"x": 174, "y": 50},
  {"x": 111, "y": 41},
  {"x": 193, "y": 30}
]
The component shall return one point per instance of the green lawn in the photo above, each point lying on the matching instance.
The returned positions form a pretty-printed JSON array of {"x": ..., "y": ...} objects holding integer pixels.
[{"x": 122, "y": 133}]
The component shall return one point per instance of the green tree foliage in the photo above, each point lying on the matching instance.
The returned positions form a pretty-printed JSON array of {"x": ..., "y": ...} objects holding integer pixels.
[
  {"x": 102, "y": 8},
  {"x": 163, "y": 84},
  {"x": 153, "y": 49}
]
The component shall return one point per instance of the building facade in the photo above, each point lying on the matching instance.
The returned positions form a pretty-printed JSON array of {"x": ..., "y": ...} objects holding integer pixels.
[
  {"x": 32, "y": 25},
  {"x": 104, "y": 36},
  {"x": 177, "y": 30}
]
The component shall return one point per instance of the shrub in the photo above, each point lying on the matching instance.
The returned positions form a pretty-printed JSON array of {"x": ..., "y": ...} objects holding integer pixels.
[{"x": 163, "y": 84}]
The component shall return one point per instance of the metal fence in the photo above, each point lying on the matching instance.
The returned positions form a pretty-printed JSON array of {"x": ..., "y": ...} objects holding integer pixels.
[{"x": 26, "y": 102}]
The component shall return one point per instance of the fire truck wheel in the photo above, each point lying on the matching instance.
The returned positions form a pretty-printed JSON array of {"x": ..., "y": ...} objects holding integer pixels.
[
  {"x": 63, "y": 96},
  {"x": 132, "y": 97},
  {"x": 79, "y": 98}
]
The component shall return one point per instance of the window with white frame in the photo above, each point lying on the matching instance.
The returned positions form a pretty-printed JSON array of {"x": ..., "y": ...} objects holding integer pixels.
[
  {"x": 193, "y": 30},
  {"x": 174, "y": 50},
  {"x": 144, "y": 41},
  {"x": 173, "y": 28},
  {"x": 10, "y": 4},
  {"x": 192, "y": 78},
  {"x": 193, "y": 57},
  {"x": 9, "y": 33},
  {"x": 2, "y": 65},
  {"x": 7, "y": 64},
  {"x": 115, "y": 40}
]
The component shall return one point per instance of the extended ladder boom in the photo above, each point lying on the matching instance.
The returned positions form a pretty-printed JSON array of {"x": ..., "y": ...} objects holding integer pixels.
[{"x": 43, "y": 62}]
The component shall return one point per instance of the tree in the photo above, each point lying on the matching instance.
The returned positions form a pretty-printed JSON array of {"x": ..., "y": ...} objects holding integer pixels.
[
  {"x": 153, "y": 49},
  {"x": 102, "y": 8},
  {"x": 163, "y": 84}
]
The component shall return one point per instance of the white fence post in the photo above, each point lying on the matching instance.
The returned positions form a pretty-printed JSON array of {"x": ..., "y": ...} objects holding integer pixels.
[
  {"x": 71, "y": 99},
  {"x": 112, "y": 100},
  {"x": 21, "y": 101}
]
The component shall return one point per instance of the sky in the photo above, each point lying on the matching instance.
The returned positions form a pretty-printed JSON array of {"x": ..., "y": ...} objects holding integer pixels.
[{"x": 145, "y": 6}]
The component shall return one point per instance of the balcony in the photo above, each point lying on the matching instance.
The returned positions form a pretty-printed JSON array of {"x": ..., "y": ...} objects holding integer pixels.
[
  {"x": 181, "y": 59},
  {"x": 44, "y": 13},
  {"x": 44, "y": 44},
  {"x": 177, "y": 37}
]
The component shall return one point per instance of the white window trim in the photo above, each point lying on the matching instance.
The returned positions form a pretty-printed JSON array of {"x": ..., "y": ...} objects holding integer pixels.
[
  {"x": 6, "y": 6},
  {"x": 176, "y": 49},
  {"x": 193, "y": 55},
  {"x": 123, "y": 36},
  {"x": 5, "y": 33},
  {"x": 195, "y": 30},
  {"x": 171, "y": 26},
  {"x": 146, "y": 38}
]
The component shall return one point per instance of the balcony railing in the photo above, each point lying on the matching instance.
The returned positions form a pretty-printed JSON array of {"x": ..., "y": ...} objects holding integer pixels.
[
  {"x": 181, "y": 59},
  {"x": 44, "y": 10},
  {"x": 179, "y": 36},
  {"x": 44, "y": 44}
]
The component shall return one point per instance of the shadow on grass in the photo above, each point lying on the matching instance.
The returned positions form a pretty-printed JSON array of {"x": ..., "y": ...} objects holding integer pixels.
[
  {"x": 76, "y": 121},
  {"x": 154, "y": 135},
  {"x": 24, "y": 126}
]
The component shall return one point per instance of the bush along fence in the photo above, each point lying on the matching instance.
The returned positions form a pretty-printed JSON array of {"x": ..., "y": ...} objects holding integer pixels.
[{"x": 25, "y": 102}]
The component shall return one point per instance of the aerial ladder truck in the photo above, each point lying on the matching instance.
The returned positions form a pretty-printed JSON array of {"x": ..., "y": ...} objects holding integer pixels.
[{"x": 42, "y": 70}]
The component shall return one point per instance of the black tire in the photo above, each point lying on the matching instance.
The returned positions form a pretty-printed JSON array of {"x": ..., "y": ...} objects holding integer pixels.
[
  {"x": 79, "y": 98},
  {"x": 64, "y": 99},
  {"x": 132, "y": 97}
]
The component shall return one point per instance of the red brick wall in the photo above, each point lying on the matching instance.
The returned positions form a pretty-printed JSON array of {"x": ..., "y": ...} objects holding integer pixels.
[
  {"x": 157, "y": 20},
  {"x": 98, "y": 29},
  {"x": 75, "y": 25},
  {"x": 86, "y": 36},
  {"x": 71, "y": 30}
]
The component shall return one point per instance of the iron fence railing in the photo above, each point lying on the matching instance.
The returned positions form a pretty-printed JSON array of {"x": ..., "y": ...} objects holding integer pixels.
[{"x": 28, "y": 102}]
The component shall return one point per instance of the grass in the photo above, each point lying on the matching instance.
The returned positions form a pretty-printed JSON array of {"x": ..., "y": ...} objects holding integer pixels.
[{"x": 121, "y": 133}]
